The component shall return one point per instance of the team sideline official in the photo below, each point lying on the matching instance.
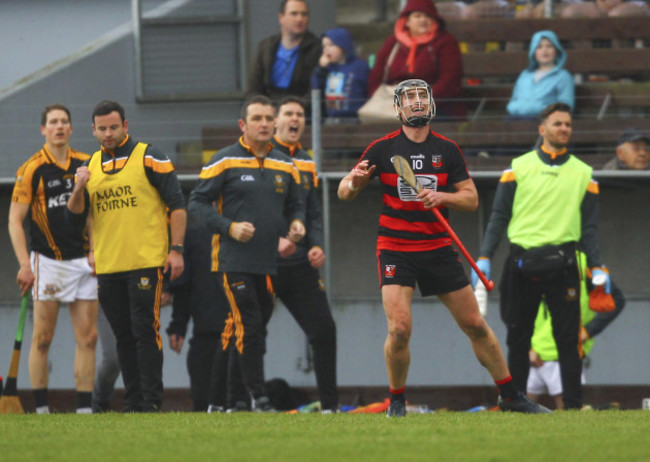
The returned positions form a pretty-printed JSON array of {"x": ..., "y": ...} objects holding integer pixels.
[
  {"x": 129, "y": 185},
  {"x": 254, "y": 187}
]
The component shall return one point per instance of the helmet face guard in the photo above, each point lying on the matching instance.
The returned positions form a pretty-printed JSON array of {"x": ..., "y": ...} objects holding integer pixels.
[{"x": 413, "y": 94}]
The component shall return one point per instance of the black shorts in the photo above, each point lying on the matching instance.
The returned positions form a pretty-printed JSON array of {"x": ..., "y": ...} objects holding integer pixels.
[{"x": 436, "y": 271}]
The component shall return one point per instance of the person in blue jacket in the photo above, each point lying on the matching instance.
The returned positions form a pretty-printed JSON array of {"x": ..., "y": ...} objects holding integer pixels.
[
  {"x": 341, "y": 75},
  {"x": 544, "y": 81}
]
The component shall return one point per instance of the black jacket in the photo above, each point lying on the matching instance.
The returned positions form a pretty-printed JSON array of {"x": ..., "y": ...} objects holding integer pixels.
[
  {"x": 259, "y": 78},
  {"x": 263, "y": 193}
]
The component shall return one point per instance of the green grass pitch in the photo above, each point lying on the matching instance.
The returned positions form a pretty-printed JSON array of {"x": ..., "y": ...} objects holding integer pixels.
[{"x": 441, "y": 436}]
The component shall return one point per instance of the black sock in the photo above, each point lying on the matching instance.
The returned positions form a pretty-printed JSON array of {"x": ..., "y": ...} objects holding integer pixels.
[
  {"x": 397, "y": 395},
  {"x": 40, "y": 397},
  {"x": 84, "y": 399},
  {"x": 506, "y": 388}
]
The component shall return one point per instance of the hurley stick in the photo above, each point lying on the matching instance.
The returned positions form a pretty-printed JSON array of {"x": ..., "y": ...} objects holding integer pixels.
[
  {"x": 405, "y": 172},
  {"x": 9, "y": 401}
]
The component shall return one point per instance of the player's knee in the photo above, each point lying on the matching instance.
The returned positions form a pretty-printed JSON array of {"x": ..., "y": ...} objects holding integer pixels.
[
  {"x": 89, "y": 341},
  {"x": 42, "y": 341},
  {"x": 400, "y": 334},
  {"x": 475, "y": 328}
]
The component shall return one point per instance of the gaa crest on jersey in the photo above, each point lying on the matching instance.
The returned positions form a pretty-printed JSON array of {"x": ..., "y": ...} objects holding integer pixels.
[
  {"x": 389, "y": 271},
  {"x": 278, "y": 181},
  {"x": 571, "y": 294},
  {"x": 51, "y": 289},
  {"x": 239, "y": 285},
  {"x": 436, "y": 161},
  {"x": 144, "y": 284},
  {"x": 305, "y": 180}
]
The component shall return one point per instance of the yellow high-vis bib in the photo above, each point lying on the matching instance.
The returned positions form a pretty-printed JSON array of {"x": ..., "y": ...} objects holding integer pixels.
[{"x": 130, "y": 221}]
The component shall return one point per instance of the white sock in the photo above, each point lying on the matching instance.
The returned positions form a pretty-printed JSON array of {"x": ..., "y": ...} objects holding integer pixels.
[
  {"x": 84, "y": 410},
  {"x": 212, "y": 408},
  {"x": 43, "y": 410}
]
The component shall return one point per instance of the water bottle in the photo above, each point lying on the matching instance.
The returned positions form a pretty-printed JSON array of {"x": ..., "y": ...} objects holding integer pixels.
[
  {"x": 480, "y": 292},
  {"x": 599, "y": 280}
]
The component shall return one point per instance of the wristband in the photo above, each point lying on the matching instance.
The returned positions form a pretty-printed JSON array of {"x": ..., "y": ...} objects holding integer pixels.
[
  {"x": 351, "y": 187},
  {"x": 178, "y": 248}
]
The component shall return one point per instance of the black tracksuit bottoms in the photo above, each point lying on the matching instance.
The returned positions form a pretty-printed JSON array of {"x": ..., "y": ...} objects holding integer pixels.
[
  {"x": 520, "y": 299},
  {"x": 251, "y": 303},
  {"x": 203, "y": 347},
  {"x": 131, "y": 302},
  {"x": 300, "y": 289}
]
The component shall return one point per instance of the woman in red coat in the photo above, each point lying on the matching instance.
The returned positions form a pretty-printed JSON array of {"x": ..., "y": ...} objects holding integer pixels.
[{"x": 422, "y": 49}]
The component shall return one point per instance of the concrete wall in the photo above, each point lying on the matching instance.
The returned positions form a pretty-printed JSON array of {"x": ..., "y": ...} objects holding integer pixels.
[{"x": 440, "y": 353}]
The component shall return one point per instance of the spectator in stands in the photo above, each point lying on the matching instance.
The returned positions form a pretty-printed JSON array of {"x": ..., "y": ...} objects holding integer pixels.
[
  {"x": 544, "y": 376},
  {"x": 622, "y": 8},
  {"x": 341, "y": 75},
  {"x": 545, "y": 81},
  {"x": 487, "y": 9},
  {"x": 421, "y": 48},
  {"x": 632, "y": 152},
  {"x": 605, "y": 6},
  {"x": 578, "y": 9},
  {"x": 561, "y": 9},
  {"x": 284, "y": 62},
  {"x": 630, "y": 8}
]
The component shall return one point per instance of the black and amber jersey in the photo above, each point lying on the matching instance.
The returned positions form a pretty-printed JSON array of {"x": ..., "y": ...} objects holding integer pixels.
[
  {"x": 313, "y": 211},
  {"x": 46, "y": 186},
  {"x": 438, "y": 163},
  {"x": 263, "y": 192}
]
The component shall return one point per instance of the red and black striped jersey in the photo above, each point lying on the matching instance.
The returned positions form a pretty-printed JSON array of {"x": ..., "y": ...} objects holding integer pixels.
[
  {"x": 438, "y": 163},
  {"x": 46, "y": 186}
]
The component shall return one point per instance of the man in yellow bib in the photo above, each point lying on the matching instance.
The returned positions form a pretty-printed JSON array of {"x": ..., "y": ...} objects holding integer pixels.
[
  {"x": 548, "y": 202},
  {"x": 128, "y": 187}
]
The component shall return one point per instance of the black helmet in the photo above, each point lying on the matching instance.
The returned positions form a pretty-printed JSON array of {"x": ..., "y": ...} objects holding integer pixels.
[{"x": 414, "y": 84}]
